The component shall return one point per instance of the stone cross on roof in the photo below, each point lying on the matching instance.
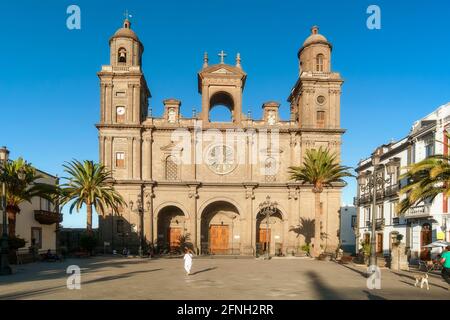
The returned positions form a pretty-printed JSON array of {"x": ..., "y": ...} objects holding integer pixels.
[
  {"x": 126, "y": 14},
  {"x": 222, "y": 55}
]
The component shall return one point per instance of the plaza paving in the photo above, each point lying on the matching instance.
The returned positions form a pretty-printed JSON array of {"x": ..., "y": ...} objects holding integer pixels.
[{"x": 222, "y": 279}]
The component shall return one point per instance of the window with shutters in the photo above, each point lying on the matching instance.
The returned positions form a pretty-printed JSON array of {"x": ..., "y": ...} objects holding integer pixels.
[
  {"x": 320, "y": 119},
  {"x": 120, "y": 160}
]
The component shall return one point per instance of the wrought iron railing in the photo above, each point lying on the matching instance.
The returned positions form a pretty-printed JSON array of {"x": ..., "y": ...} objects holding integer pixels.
[{"x": 418, "y": 211}]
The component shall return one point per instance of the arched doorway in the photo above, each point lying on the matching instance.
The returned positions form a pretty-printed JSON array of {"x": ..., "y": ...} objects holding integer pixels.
[
  {"x": 426, "y": 237},
  {"x": 269, "y": 233},
  {"x": 171, "y": 229},
  {"x": 220, "y": 229}
]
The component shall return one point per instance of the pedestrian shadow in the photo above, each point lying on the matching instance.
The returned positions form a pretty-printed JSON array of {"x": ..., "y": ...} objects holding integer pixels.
[
  {"x": 204, "y": 270},
  {"x": 372, "y": 296}
]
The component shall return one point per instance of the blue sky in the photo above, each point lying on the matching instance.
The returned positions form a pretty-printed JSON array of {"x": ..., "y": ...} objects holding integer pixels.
[{"x": 50, "y": 92}]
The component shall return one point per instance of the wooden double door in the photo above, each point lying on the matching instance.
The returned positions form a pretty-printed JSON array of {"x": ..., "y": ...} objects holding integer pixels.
[
  {"x": 219, "y": 239},
  {"x": 173, "y": 235},
  {"x": 264, "y": 239}
]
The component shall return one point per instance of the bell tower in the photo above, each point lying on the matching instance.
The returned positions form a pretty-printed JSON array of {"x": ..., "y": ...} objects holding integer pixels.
[
  {"x": 123, "y": 105},
  {"x": 315, "y": 98},
  {"x": 124, "y": 93},
  {"x": 222, "y": 84}
]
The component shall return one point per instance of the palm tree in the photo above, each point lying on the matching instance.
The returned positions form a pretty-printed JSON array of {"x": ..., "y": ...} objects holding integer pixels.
[
  {"x": 321, "y": 169},
  {"x": 425, "y": 180},
  {"x": 21, "y": 179},
  {"x": 89, "y": 184}
]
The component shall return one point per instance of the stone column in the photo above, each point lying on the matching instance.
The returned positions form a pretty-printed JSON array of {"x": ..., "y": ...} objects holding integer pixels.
[
  {"x": 249, "y": 221},
  {"x": 108, "y": 161},
  {"x": 137, "y": 167},
  {"x": 108, "y": 102},
  {"x": 130, "y": 158},
  {"x": 136, "y": 104},
  {"x": 290, "y": 238},
  {"x": 129, "y": 109},
  {"x": 101, "y": 140},
  {"x": 146, "y": 158},
  {"x": 102, "y": 102},
  {"x": 205, "y": 103}
]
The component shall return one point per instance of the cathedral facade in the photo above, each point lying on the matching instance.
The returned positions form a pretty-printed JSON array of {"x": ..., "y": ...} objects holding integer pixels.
[{"x": 191, "y": 179}]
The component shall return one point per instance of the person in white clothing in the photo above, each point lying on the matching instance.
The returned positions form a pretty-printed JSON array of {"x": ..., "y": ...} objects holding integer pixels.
[{"x": 187, "y": 261}]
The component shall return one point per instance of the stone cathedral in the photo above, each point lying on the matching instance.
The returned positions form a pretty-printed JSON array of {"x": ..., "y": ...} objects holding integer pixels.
[{"x": 208, "y": 191}]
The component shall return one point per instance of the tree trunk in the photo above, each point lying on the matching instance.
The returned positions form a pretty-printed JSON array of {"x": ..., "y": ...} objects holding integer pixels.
[
  {"x": 12, "y": 214},
  {"x": 89, "y": 219},
  {"x": 317, "y": 220}
]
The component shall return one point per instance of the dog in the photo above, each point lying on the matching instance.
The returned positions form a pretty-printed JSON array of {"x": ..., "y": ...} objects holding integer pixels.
[{"x": 423, "y": 279}]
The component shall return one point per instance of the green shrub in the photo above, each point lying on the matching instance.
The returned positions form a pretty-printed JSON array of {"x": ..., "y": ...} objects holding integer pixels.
[
  {"x": 306, "y": 248},
  {"x": 88, "y": 242},
  {"x": 365, "y": 248}
]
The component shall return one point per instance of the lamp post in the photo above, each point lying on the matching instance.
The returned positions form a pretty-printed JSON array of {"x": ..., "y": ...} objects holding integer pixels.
[
  {"x": 374, "y": 180},
  {"x": 140, "y": 211},
  {"x": 268, "y": 208},
  {"x": 5, "y": 268}
]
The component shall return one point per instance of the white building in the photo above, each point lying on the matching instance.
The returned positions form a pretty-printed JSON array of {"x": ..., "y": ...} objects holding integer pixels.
[
  {"x": 421, "y": 224},
  {"x": 347, "y": 228},
  {"x": 38, "y": 220}
]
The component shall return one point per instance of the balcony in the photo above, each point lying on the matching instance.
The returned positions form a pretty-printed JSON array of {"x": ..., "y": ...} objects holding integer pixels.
[
  {"x": 368, "y": 224},
  {"x": 47, "y": 217},
  {"x": 418, "y": 212},
  {"x": 364, "y": 199},
  {"x": 396, "y": 220},
  {"x": 379, "y": 224},
  {"x": 392, "y": 191}
]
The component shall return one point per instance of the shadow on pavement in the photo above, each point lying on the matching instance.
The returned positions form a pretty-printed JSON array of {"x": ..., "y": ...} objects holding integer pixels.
[
  {"x": 372, "y": 296},
  {"x": 55, "y": 270},
  {"x": 204, "y": 270},
  {"x": 324, "y": 291},
  {"x": 28, "y": 293}
]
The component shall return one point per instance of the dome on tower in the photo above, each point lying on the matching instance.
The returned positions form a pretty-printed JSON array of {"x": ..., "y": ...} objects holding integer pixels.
[
  {"x": 315, "y": 37},
  {"x": 125, "y": 32}
]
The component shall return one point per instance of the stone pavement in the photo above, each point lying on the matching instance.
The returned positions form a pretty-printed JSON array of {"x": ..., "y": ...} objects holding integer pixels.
[{"x": 222, "y": 279}]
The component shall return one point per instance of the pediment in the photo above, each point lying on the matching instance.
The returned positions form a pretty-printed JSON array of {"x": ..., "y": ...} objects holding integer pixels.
[
  {"x": 172, "y": 146},
  {"x": 223, "y": 69}
]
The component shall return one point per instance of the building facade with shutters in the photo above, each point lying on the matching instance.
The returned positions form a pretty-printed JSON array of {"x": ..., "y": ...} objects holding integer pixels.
[
  {"x": 421, "y": 224},
  {"x": 191, "y": 176}
]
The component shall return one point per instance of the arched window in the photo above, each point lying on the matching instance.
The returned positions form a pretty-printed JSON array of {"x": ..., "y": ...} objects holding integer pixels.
[
  {"x": 221, "y": 106},
  {"x": 122, "y": 57},
  {"x": 171, "y": 168},
  {"x": 319, "y": 63}
]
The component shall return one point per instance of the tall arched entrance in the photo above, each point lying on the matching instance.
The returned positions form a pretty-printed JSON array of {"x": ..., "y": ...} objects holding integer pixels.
[
  {"x": 220, "y": 229},
  {"x": 171, "y": 228},
  {"x": 269, "y": 233}
]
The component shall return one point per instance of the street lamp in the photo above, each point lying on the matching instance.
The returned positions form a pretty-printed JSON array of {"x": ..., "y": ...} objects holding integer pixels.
[
  {"x": 140, "y": 210},
  {"x": 268, "y": 208},
  {"x": 372, "y": 181},
  {"x": 5, "y": 268}
]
